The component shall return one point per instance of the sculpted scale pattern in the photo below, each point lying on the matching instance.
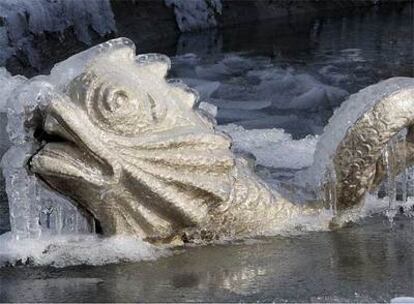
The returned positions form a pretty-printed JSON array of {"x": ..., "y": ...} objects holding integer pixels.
[{"x": 133, "y": 150}]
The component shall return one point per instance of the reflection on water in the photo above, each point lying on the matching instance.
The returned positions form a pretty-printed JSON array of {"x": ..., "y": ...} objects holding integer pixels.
[
  {"x": 381, "y": 36},
  {"x": 327, "y": 56},
  {"x": 368, "y": 262},
  {"x": 365, "y": 263}
]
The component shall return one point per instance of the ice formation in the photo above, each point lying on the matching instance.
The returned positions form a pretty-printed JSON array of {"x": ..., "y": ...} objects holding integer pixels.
[
  {"x": 195, "y": 14},
  {"x": 344, "y": 118},
  {"x": 37, "y": 212},
  {"x": 27, "y": 18},
  {"x": 251, "y": 90},
  {"x": 71, "y": 250},
  {"x": 273, "y": 148},
  {"x": 367, "y": 138},
  {"x": 136, "y": 153}
]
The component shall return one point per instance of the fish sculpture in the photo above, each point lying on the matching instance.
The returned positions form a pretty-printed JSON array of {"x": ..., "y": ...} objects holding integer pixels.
[{"x": 132, "y": 149}]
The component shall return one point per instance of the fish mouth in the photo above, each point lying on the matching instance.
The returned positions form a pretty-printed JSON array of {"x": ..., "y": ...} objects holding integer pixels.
[
  {"x": 66, "y": 161},
  {"x": 73, "y": 149}
]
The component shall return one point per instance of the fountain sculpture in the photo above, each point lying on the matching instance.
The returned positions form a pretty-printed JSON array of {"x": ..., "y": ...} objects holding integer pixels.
[{"x": 134, "y": 153}]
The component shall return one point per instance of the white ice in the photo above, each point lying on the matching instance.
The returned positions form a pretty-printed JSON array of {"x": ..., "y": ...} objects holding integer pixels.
[
  {"x": 8, "y": 84},
  {"x": 25, "y": 18},
  {"x": 272, "y": 147},
  {"x": 70, "y": 250},
  {"x": 402, "y": 300},
  {"x": 345, "y": 117}
]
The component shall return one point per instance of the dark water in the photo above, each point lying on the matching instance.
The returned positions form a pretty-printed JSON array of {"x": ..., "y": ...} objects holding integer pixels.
[
  {"x": 370, "y": 262},
  {"x": 348, "y": 51}
]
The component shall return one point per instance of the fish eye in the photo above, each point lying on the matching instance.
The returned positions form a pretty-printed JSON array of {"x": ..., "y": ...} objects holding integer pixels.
[
  {"x": 120, "y": 98},
  {"x": 116, "y": 100}
]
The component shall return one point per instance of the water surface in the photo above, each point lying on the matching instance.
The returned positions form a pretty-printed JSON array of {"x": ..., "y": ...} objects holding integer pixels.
[{"x": 368, "y": 262}]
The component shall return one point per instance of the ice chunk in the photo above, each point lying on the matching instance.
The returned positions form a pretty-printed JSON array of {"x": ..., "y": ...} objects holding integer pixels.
[
  {"x": 204, "y": 87},
  {"x": 241, "y": 105},
  {"x": 273, "y": 147},
  {"x": 195, "y": 14},
  {"x": 73, "y": 250},
  {"x": 209, "y": 108},
  {"x": 344, "y": 118},
  {"x": 402, "y": 300},
  {"x": 26, "y": 18},
  {"x": 8, "y": 84},
  {"x": 230, "y": 65},
  {"x": 34, "y": 209}
]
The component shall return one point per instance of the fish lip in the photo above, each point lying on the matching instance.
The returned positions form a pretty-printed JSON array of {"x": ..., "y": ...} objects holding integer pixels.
[
  {"x": 68, "y": 121},
  {"x": 62, "y": 160}
]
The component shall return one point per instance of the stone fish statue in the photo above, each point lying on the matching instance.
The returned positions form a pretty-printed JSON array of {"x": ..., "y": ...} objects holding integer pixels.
[{"x": 132, "y": 150}]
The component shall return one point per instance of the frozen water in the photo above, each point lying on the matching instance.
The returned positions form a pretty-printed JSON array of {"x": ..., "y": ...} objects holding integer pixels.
[
  {"x": 256, "y": 93},
  {"x": 272, "y": 147},
  {"x": 195, "y": 14},
  {"x": 204, "y": 87},
  {"x": 8, "y": 84},
  {"x": 73, "y": 250},
  {"x": 344, "y": 117},
  {"x": 34, "y": 209},
  {"x": 402, "y": 300},
  {"x": 25, "y": 18}
]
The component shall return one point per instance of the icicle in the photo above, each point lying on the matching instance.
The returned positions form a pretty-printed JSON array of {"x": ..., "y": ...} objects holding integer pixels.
[
  {"x": 402, "y": 160},
  {"x": 410, "y": 181},
  {"x": 328, "y": 192},
  {"x": 390, "y": 187}
]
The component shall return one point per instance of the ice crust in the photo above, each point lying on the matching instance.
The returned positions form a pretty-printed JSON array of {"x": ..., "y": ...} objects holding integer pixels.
[
  {"x": 402, "y": 300},
  {"x": 252, "y": 90},
  {"x": 195, "y": 14},
  {"x": 71, "y": 250},
  {"x": 273, "y": 147},
  {"x": 8, "y": 84},
  {"x": 34, "y": 209},
  {"x": 25, "y": 18},
  {"x": 344, "y": 117},
  {"x": 233, "y": 86}
]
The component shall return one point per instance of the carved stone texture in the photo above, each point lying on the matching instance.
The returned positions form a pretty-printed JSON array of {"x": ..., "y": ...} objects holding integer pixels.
[
  {"x": 359, "y": 155},
  {"x": 134, "y": 152}
]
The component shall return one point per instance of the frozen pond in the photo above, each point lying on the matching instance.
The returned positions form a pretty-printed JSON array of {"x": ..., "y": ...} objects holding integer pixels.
[
  {"x": 370, "y": 262},
  {"x": 276, "y": 84}
]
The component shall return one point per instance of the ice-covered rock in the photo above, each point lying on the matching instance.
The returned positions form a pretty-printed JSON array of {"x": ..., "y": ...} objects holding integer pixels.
[
  {"x": 195, "y": 14},
  {"x": 24, "y": 19}
]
